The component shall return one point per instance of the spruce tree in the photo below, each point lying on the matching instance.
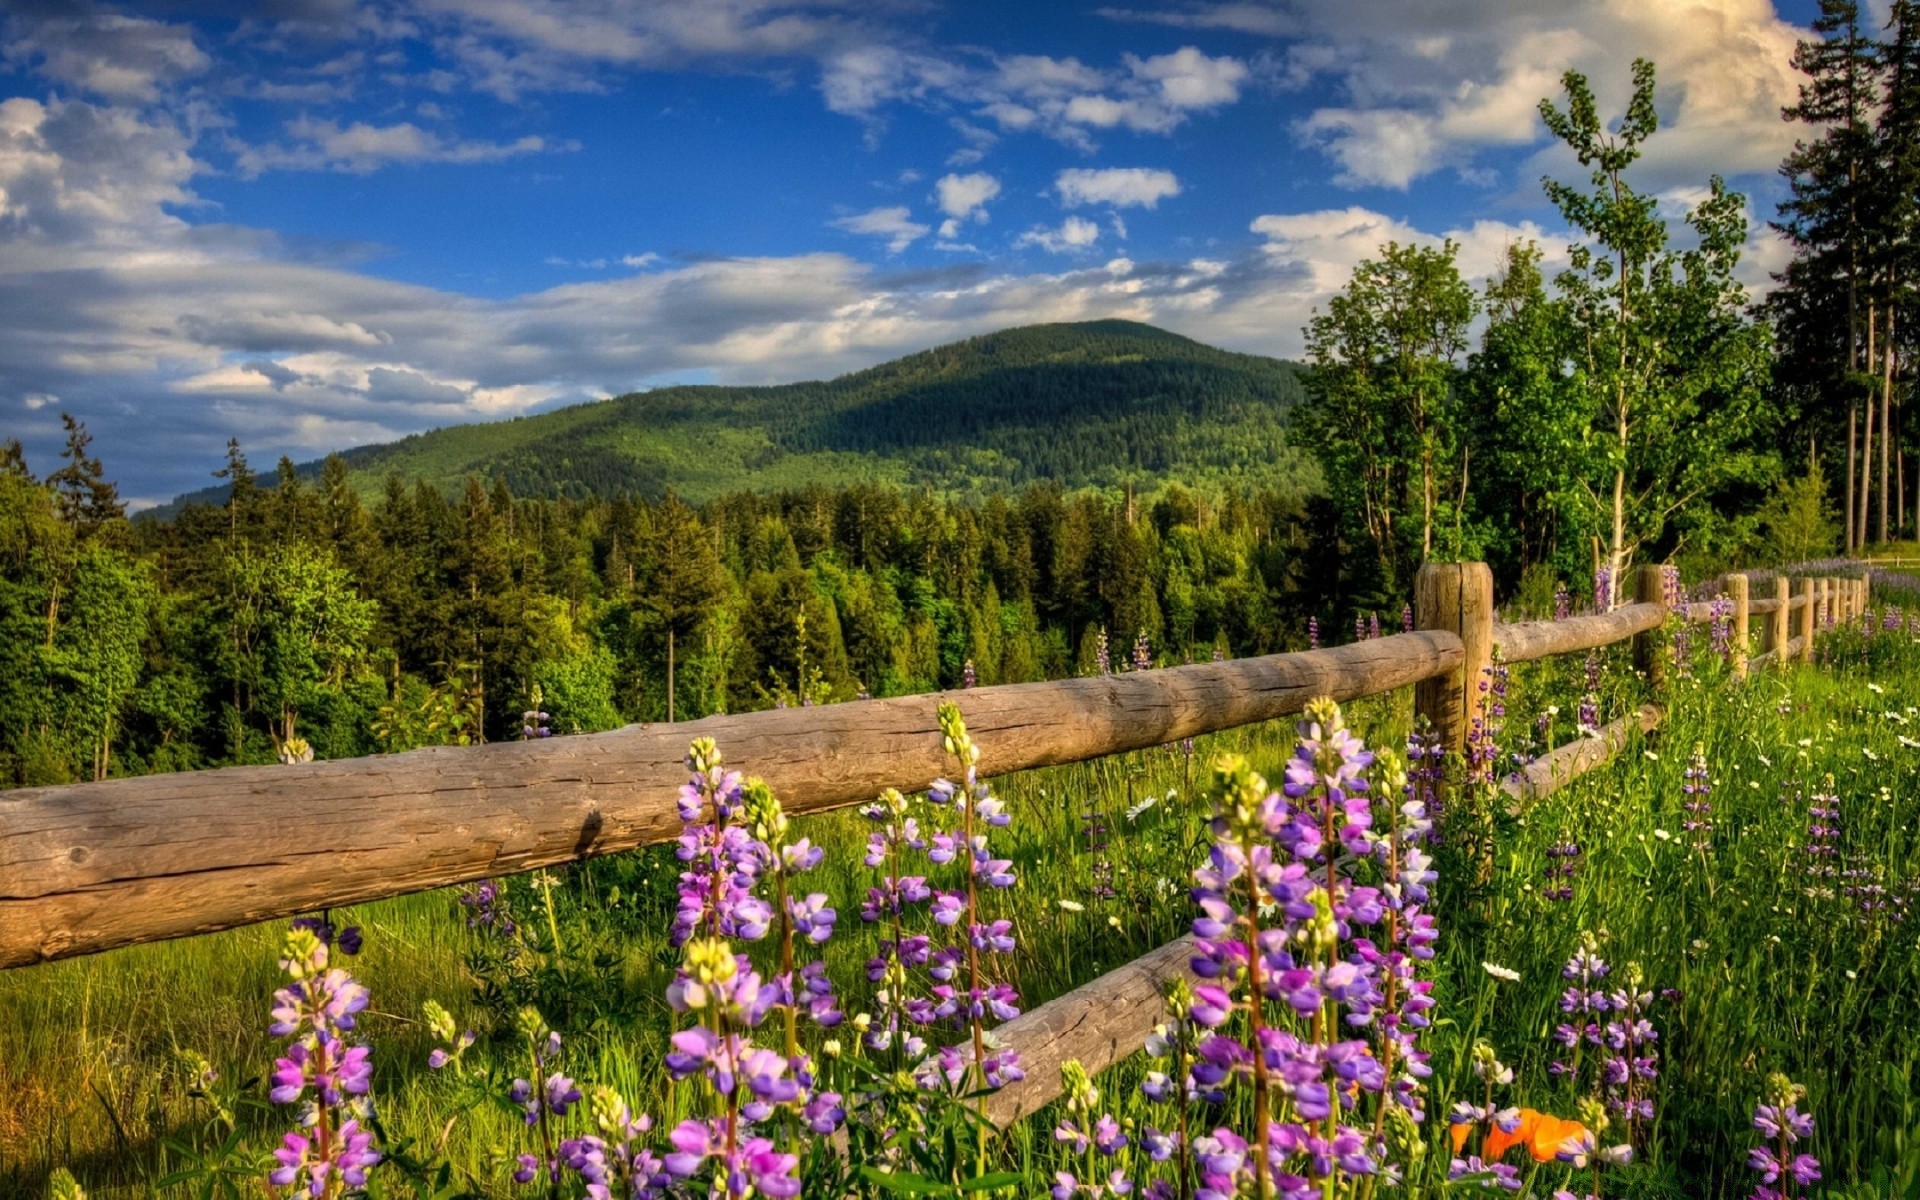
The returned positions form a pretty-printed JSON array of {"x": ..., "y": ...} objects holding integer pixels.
[
  {"x": 86, "y": 499},
  {"x": 1821, "y": 311}
]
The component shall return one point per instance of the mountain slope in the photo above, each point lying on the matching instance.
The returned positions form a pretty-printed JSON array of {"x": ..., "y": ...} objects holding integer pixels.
[{"x": 1095, "y": 403}]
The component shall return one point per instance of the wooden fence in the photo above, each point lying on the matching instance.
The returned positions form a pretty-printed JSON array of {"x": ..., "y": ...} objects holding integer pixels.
[{"x": 90, "y": 867}]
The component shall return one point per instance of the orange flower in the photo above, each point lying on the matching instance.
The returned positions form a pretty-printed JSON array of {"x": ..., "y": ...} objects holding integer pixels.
[
  {"x": 1460, "y": 1134},
  {"x": 1550, "y": 1135},
  {"x": 1541, "y": 1133}
]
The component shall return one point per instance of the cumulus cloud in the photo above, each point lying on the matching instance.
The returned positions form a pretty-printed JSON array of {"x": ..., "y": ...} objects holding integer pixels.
[
  {"x": 893, "y": 223},
  {"x": 964, "y": 198},
  {"x": 1119, "y": 187},
  {"x": 1061, "y": 98},
  {"x": 1075, "y": 234},
  {"x": 1426, "y": 86},
  {"x": 360, "y": 148}
]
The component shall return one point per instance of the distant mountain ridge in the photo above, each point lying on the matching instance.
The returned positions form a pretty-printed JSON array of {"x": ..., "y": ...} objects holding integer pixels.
[{"x": 1097, "y": 403}]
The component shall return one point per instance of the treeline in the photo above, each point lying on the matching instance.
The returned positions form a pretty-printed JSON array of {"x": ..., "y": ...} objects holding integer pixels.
[
  {"x": 294, "y": 618},
  {"x": 1617, "y": 411}
]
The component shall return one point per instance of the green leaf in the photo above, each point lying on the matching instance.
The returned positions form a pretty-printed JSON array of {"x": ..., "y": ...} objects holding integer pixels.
[
  {"x": 897, "y": 1181},
  {"x": 988, "y": 1183}
]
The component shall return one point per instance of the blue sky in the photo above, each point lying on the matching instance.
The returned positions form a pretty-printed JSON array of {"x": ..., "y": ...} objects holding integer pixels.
[{"x": 317, "y": 223}]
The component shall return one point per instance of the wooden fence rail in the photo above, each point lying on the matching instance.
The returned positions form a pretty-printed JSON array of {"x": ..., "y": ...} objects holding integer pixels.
[
  {"x": 1107, "y": 1020},
  {"x": 90, "y": 867}
]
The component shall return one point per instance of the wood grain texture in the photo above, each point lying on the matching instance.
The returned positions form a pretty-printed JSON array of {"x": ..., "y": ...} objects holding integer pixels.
[
  {"x": 1455, "y": 598},
  {"x": 1543, "y": 639},
  {"x": 1099, "y": 1023},
  {"x": 1742, "y": 632},
  {"x": 88, "y": 867},
  {"x": 1556, "y": 769}
]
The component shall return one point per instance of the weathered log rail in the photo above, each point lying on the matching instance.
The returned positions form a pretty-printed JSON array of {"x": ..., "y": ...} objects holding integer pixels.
[{"x": 91, "y": 867}]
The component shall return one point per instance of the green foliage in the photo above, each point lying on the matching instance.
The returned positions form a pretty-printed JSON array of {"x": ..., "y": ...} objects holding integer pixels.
[
  {"x": 1798, "y": 519},
  {"x": 1669, "y": 372},
  {"x": 1384, "y": 415}
]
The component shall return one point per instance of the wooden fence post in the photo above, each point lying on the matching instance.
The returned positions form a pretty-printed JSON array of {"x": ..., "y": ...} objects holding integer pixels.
[
  {"x": 1649, "y": 648},
  {"x": 1805, "y": 623},
  {"x": 1737, "y": 591},
  {"x": 1456, "y": 598},
  {"x": 1774, "y": 638}
]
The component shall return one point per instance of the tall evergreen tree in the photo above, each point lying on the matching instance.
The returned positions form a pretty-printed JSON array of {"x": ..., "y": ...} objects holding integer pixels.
[
  {"x": 1821, "y": 309},
  {"x": 679, "y": 579},
  {"x": 87, "y": 498}
]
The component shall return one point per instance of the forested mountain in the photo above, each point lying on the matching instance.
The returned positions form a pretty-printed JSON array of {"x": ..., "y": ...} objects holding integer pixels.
[{"x": 1098, "y": 403}]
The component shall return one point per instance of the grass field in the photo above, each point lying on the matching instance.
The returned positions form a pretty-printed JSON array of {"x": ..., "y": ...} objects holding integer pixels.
[{"x": 1760, "y": 962}]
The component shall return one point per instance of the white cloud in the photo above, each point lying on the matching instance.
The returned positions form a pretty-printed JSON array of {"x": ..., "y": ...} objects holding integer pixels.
[
  {"x": 1326, "y": 245},
  {"x": 1120, "y": 187},
  {"x": 359, "y": 148},
  {"x": 1425, "y": 86},
  {"x": 1188, "y": 79},
  {"x": 1074, "y": 235},
  {"x": 1061, "y": 98},
  {"x": 964, "y": 198},
  {"x": 893, "y": 223}
]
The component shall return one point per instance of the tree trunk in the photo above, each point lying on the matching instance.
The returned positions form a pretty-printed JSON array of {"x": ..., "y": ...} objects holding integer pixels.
[
  {"x": 669, "y": 674},
  {"x": 1853, "y": 442},
  {"x": 1866, "y": 473},
  {"x": 1886, "y": 424},
  {"x": 1866, "y": 434}
]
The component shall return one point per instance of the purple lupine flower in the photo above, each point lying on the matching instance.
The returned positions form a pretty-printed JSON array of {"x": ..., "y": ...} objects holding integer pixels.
[
  {"x": 1563, "y": 866},
  {"x": 347, "y": 941},
  {"x": 1720, "y": 635},
  {"x": 1373, "y": 625},
  {"x": 806, "y": 917},
  {"x": 1630, "y": 1062},
  {"x": 1603, "y": 589},
  {"x": 1313, "y": 633},
  {"x": 1782, "y": 1126},
  {"x": 486, "y": 907},
  {"x": 1697, "y": 786},
  {"x": 615, "y": 1162},
  {"x": 1584, "y": 1003},
  {"x": 1562, "y": 602},
  {"x": 1823, "y": 839},
  {"x": 1484, "y": 730},
  {"x": 1588, "y": 721},
  {"x": 899, "y": 955},
  {"x": 967, "y": 675},
  {"x": 1290, "y": 857},
  {"x": 320, "y": 1070},
  {"x": 1426, "y": 770},
  {"x": 962, "y": 996},
  {"x": 1102, "y": 654},
  {"x": 535, "y": 722},
  {"x": 1406, "y": 618},
  {"x": 724, "y": 861},
  {"x": 1359, "y": 628},
  {"x": 1142, "y": 652}
]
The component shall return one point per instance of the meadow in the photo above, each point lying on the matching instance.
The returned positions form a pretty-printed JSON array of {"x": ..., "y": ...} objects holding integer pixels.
[{"x": 1770, "y": 938}]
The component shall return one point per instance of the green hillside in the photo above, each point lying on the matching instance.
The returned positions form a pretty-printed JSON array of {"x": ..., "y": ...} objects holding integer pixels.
[{"x": 1098, "y": 403}]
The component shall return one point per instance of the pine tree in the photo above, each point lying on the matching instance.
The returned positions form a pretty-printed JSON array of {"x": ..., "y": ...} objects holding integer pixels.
[
  {"x": 86, "y": 499},
  {"x": 1896, "y": 188},
  {"x": 1821, "y": 310},
  {"x": 242, "y": 487},
  {"x": 679, "y": 577}
]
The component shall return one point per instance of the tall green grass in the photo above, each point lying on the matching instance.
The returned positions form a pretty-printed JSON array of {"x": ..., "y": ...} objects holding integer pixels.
[{"x": 1769, "y": 968}]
